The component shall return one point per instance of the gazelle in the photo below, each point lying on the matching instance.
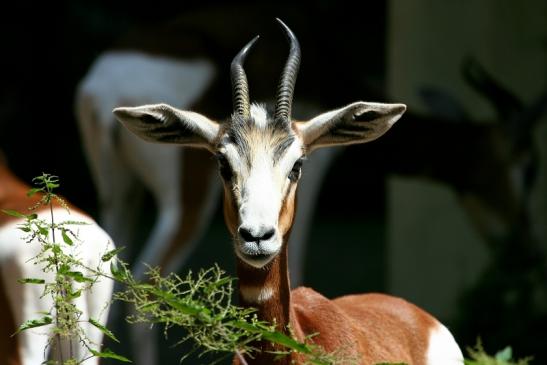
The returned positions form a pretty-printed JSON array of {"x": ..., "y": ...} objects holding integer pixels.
[
  {"x": 19, "y": 303},
  {"x": 175, "y": 63},
  {"x": 260, "y": 157}
]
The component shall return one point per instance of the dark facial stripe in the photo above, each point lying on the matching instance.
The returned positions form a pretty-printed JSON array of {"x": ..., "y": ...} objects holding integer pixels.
[
  {"x": 281, "y": 147},
  {"x": 237, "y": 135}
]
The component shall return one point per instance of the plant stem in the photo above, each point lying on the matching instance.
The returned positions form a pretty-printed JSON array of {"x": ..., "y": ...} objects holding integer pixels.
[
  {"x": 241, "y": 358},
  {"x": 55, "y": 259}
]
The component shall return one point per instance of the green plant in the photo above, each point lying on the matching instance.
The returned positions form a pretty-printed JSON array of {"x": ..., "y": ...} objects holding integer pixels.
[
  {"x": 59, "y": 260},
  {"x": 478, "y": 356},
  {"x": 202, "y": 305}
]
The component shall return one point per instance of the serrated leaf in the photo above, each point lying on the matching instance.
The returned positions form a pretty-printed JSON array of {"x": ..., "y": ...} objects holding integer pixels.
[
  {"x": 43, "y": 231},
  {"x": 74, "y": 295},
  {"x": 109, "y": 354},
  {"x": 31, "y": 281},
  {"x": 13, "y": 213},
  {"x": 504, "y": 355},
  {"x": 78, "y": 276},
  {"x": 56, "y": 249},
  {"x": 33, "y": 191},
  {"x": 103, "y": 329},
  {"x": 66, "y": 238},
  {"x": 33, "y": 323},
  {"x": 286, "y": 341},
  {"x": 119, "y": 274},
  {"x": 110, "y": 254}
]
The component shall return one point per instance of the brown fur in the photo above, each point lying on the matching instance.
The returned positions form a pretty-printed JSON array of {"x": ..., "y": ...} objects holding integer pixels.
[
  {"x": 13, "y": 196},
  {"x": 370, "y": 328}
]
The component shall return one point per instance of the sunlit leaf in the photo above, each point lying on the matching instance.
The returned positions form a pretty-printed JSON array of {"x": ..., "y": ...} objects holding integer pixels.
[
  {"x": 33, "y": 323},
  {"x": 33, "y": 191},
  {"x": 504, "y": 355},
  {"x": 74, "y": 295},
  {"x": 66, "y": 238},
  {"x": 109, "y": 354},
  {"x": 110, "y": 254},
  {"x": 103, "y": 329},
  {"x": 13, "y": 213},
  {"x": 78, "y": 276},
  {"x": 31, "y": 281},
  {"x": 119, "y": 272}
]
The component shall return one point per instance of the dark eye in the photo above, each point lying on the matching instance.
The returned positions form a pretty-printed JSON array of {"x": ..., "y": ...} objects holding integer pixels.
[
  {"x": 224, "y": 167},
  {"x": 294, "y": 175}
]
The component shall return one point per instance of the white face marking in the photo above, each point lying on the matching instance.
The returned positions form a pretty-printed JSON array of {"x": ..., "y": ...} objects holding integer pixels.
[
  {"x": 260, "y": 185},
  {"x": 256, "y": 294},
  {"x": 443, "y": 349}
]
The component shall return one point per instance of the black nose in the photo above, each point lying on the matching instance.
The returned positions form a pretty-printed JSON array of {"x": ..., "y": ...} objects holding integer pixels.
[{"x": 255, "y": 236}]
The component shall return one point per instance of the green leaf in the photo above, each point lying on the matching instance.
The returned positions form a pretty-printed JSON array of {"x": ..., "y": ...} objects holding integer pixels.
[
  {"x": 103, "y": 329},
  {"x": 78, "y": 276},
  {"x": 470, "y": 362},
  {"x": 33, "y": 191},
  {"x": 120, "y": 273},
  {"x": 110, "y": 254},
  {"x": 31, "y": 281},
  {"x": 44, "y": 231},
  {"x": 33, "y": 323},
  {"x": 13, "y": 213},
  {"x": 108, "y": 354},
  {"x": 286, "y": 341},
  {"x": 67, "y": 239},
  {"x": 504, "y": 355},
  {"x": 74, "y": 295}
]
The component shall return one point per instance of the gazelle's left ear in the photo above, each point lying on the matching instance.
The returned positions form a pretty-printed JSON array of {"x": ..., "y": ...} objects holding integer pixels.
[{"x": 356, "y": 123}]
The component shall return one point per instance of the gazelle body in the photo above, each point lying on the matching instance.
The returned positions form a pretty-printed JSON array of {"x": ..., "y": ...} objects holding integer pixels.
[
  {"x": 22, "y": 302},
  {"x": 260, "y": 157}
]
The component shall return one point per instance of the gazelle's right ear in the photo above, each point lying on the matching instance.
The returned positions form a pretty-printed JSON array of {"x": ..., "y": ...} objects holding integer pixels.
[{"x": 165, "y": 124}]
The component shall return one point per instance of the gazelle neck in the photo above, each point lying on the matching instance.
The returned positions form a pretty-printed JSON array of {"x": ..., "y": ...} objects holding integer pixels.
[{"x": 267, "y": 289}]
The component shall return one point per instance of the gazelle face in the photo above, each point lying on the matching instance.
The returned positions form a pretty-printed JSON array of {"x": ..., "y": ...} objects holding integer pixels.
[
  {"x": 259, "y": 162},
  {"x": 260, "y": 154}
]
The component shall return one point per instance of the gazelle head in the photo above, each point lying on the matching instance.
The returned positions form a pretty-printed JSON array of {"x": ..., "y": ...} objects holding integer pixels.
[{"x": 260, "y": 153}]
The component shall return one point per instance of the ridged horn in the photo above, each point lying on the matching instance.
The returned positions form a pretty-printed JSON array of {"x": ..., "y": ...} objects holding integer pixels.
[
  {"x": 240, "y": 87},
  {"x": 285, "y": 89}
]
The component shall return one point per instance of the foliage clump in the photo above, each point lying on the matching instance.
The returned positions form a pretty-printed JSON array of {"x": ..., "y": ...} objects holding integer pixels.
[{"x": 478, "y": 356}]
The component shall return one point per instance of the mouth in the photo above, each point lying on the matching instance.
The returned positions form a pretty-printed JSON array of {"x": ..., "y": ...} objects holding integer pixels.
[
  {"x": 258, "y": 261},
  {"x": 254, "y": 257}
]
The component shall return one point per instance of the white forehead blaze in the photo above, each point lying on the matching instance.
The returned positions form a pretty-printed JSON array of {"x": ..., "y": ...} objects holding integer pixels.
[{"x": 259, "y": 115}]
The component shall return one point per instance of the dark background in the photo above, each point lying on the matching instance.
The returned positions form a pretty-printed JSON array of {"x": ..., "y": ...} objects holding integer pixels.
[{"x": 49, "y": 46}]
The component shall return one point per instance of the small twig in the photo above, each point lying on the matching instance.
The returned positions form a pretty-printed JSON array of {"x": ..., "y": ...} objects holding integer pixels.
[{"x": 241, "y": 358}]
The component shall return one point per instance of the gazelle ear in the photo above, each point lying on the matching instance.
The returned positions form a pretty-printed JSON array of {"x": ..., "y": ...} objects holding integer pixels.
[
  {"x": 165, "y": 124},
  {"x": 355, "y": 123}
]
